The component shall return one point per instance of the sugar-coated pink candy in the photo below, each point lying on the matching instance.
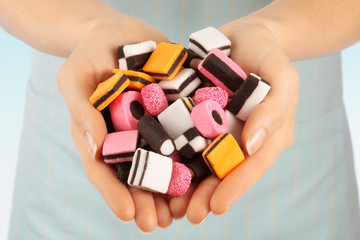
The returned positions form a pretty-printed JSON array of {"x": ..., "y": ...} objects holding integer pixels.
[
  {"x": 180, "y": 180},
  {"x": 154, "y": 99},
  {"x": 209, "y": 119},
  {"x": 126, "y": 110},
  {"x": 216, "y": 94}
]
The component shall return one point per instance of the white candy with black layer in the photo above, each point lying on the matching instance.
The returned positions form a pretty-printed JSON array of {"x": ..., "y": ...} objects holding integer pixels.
[
  {"x": 150, "y": 171},
  {"x": 202, "y": 41},
  {"x": 248, "y": 96},
  {"x": 184, "y": 84},
  {"x": 134, "y": 56},
  {"x": 235, "y": 126},
  {"x": 190, "y": 142},
  {"x": 176, "y": 118}
]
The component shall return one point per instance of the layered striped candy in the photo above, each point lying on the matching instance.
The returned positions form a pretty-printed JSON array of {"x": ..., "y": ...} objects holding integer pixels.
[
  {"x": 204, "y": 40},
  {"x": 249, "y": 95},
  {"x": 134, "y": 56},
  {"x": 222, "y": 71},
  {"x": 138, "y": 80}
]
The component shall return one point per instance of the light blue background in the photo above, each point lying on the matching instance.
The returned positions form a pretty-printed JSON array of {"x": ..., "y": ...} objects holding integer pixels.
[{"x": 14, "y": 70}]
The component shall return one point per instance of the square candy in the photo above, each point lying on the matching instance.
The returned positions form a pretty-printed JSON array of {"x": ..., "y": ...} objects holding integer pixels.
[
  {"x": 150, "y": 171},
  {"x": 202, "y": 41},
  {"x": 190, "y": 142},
  {"x": 165, "y": 62},
  {"x": 223, "y": 155},
  {"x": 185, "y": 83},
  {"x": 120, "y": 146},
  {"x": 134, "y": 56},
  {"x": 138, "y": 80}
]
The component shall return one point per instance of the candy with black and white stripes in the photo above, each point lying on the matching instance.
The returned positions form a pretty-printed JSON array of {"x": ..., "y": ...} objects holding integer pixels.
[
  {"x": 126, "y": 110},
  {"x": 235, "y": 126},
  {"x": 250, "y": 94},
  {"x": 209, "y": 119},
  {"x": 155, "y": 136},
  {"x": 150, "y": 171},
  {"x": 134, "y": 56},
  {"x": 138, "y": 80},
  {"x": 166, "y": 60},
  {"x": 120, "y": 146},
  {"x": 223, "y": 155},
  {"x": 193, "y": 59},
  {"x": 202, "y": 41},
  {"x": 222, "y": 71},
  {"x": 176, "y": 119},
  {"x": 190, "y": 143},
  {"x": 185, "y": 83}
]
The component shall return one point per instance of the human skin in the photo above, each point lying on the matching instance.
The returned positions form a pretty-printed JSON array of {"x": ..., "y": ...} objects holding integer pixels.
[{"x": 263, "y": 43}]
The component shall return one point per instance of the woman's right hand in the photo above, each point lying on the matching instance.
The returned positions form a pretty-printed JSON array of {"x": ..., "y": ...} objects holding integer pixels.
[{"x": 89, "y": 64}]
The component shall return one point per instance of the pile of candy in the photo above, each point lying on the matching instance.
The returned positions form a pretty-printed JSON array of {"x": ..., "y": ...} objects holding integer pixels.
[{"x": 175, "y": 115}]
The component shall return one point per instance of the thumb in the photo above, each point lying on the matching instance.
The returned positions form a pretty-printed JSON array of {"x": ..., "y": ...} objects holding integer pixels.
[{"x": 271, "y": 114}]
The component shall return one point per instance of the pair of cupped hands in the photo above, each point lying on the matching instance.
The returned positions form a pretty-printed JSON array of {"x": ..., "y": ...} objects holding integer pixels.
[{"x": 267, "y": 132}]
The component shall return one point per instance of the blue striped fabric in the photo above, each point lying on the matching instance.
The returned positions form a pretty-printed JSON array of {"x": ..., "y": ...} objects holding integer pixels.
[{"x": 309, "y": 193}]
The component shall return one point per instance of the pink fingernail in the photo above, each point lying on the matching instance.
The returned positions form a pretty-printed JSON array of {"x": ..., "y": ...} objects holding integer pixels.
[
  {"x": 255, "y": 141},
  {"x": 90, "y": 144}
]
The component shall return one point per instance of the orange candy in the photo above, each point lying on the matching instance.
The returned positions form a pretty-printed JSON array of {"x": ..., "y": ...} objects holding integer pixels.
[
  {"x": 165, "y": 62},
  {"x": 223, "y": 155},
  {"x": 138, "y": 80},
  {"x": 108, "y": 90}
]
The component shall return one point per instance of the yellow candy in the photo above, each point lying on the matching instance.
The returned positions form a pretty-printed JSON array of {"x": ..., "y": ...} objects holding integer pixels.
[
  {"x": 166, "y": 61},
  {"x": 108, "y": 90},
  {"x": 223, "y": 155}
]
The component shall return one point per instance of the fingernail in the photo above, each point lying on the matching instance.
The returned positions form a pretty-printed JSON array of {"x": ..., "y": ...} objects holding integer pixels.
[
  {"x": 255, "y": 141},
  {"x": 90, "y": 144}
]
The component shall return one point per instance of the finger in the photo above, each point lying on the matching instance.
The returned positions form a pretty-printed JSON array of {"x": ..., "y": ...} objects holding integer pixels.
[
  {"x": 240, "y": 179},
  {"x": 145, "y": 213},
  {"x": 199, "y": 206},
  {"x": 260, "y": 53},
  {"x": 103, "y": 177},
  {"x": 164, "y": 218},
  {"x": 179, "y": 205}
]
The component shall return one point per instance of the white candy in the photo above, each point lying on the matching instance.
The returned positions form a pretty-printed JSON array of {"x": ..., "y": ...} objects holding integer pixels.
[
  {"x": 183, "y": 85},
  {"x": 176, "y": 118},
  {"x": 190, "y": 142},
  {"x": 134, "y": 56},
  {"x": 202, "y": 41},
  {"x": 150, "y": 171}
]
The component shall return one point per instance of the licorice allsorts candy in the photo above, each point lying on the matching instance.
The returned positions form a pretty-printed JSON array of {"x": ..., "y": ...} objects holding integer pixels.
[
  {"x": 134, "y": 56},
  {"x": 222, "y": 71},
  {"x": 122, "y": 170},
  {"x": 209, "y": 119},
  {"x": 235, "y": 126},
  {"x": 108, "y": 90},
  {"x": 120, "y": 146},
  {"x": 204, "y": 40},
  {"x": 216, "y": 94},
  {"x": 138, "y": 80},
  {"x": 190, "y": 143},
  {"x": 184, "y": 84},
  {"x": 176, "y": 119},
  {"x": 165, "y": 62},
  {"x": 180, "y": 180},
  {"x": 126, "y": 110},
  {"x": 107, "y": 118},
  {"x": 199, "y": 169},
  {"x": 223, "y": 155},
  {"x": 155, "y": 136},
  {"x": 150, "y": 171},
  {"x": 193, "y": 59},
  {"x": 154, "y": 99},
  {"x": 249, "y": 95}
]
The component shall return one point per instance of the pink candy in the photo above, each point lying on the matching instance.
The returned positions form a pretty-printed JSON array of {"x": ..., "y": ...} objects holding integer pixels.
[
  {"x": 216, "y": 94},
  {"x": 154, "y": 99},
  {"x": 209, "y": 119},
  {"x": 180, "y": 180}
]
